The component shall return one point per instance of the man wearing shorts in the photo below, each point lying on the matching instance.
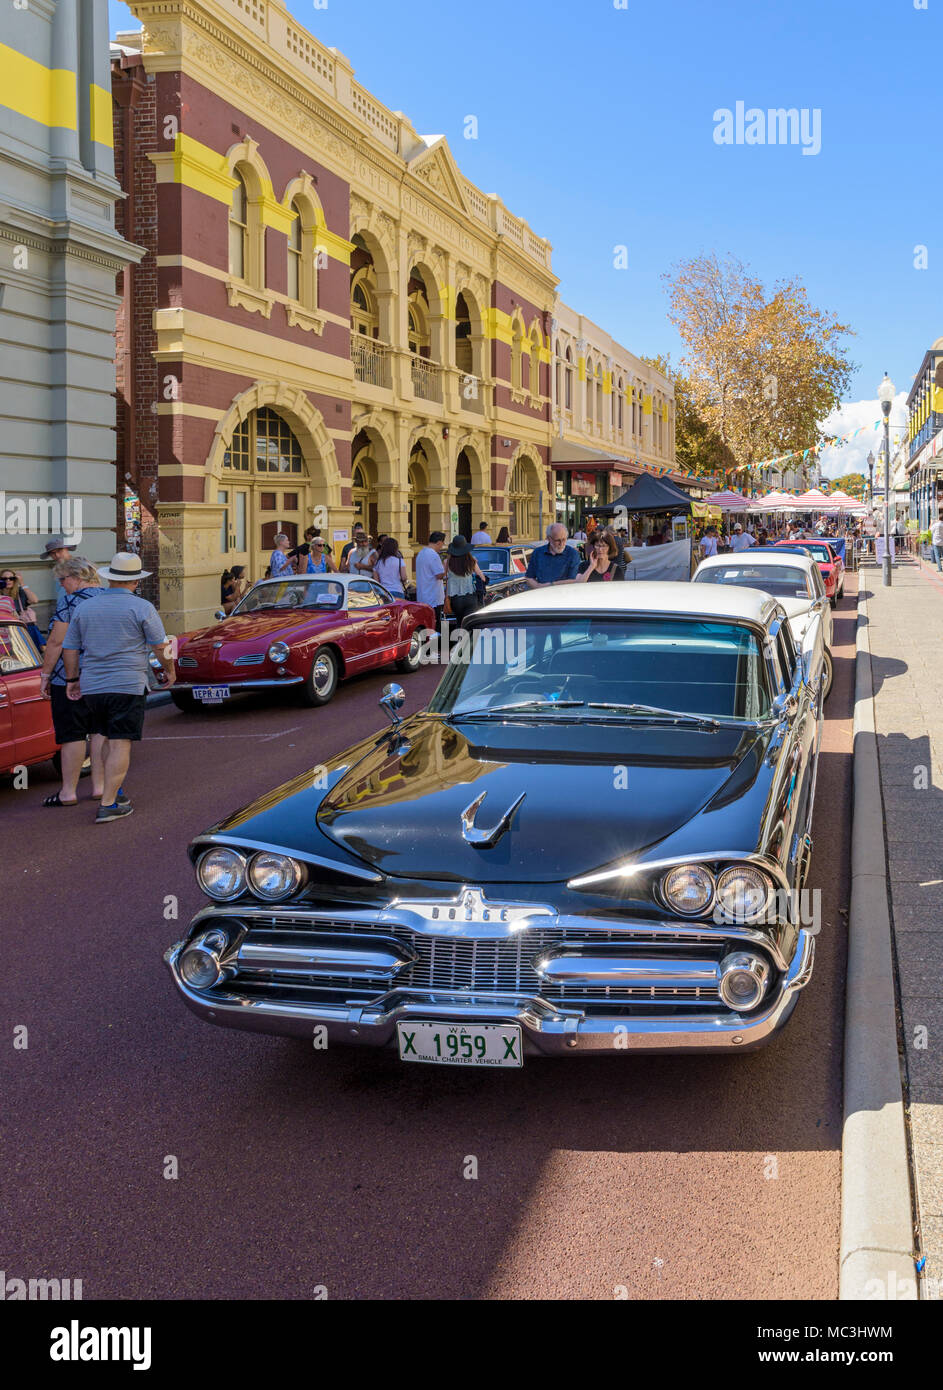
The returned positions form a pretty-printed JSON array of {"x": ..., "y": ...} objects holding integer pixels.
[
  {"x": 114, "y": 635},
  {"x": 70, "y": 718}
]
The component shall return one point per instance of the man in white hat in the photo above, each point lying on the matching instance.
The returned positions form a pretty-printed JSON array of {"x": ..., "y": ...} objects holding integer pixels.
[
  {"x": 741, "y": 540},
  {"x": 114, "y": 635}
]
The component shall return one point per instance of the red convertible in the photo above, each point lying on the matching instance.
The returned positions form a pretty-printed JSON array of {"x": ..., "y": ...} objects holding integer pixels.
[
  {"x": 304, "y": 631},
  {"x": 830, "y": 564}
]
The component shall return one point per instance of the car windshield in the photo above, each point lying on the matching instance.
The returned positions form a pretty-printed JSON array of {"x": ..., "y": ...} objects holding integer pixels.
[
  {"x": 821, "y": 553},
  {"x": 782, "y": 581},
  {"x": 584, "y": 666},
  {"x": 492, "y": 559},
  {"x": 17, "y": 652},
  {"x": 293, "y": 593}
]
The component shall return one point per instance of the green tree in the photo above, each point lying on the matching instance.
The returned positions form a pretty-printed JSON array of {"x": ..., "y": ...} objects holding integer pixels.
[
  {"x": 855, "y": 484},
  {"x": 698, "y": 448}
]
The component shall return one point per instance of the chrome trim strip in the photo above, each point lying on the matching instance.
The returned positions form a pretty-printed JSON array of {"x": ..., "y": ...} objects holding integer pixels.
[
  {"x": 546, "y": 1029},
  {"x": 633, "y": 867},
  {"x": 239, "y": 683},
  {"x": 571, "y": 967},
  {"x": 319, "y": 861},
  {"x": 323, "y": 959}
]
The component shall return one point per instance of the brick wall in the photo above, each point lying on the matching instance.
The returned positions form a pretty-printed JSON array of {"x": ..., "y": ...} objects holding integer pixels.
[{"x": 135, "y": 105}]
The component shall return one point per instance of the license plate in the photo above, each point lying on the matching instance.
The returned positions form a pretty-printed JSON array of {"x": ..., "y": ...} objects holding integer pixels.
[
  {"x": 460, "y": 1044},
  {"x": 211, "y": 694}
]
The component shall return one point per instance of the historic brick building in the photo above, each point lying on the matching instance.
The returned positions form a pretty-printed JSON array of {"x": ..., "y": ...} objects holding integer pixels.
[{"x": 330, "y": 323}]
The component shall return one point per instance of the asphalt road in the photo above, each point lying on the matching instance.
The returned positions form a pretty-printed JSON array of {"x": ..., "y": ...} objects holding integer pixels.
[{"x": 345, "y": 1171}]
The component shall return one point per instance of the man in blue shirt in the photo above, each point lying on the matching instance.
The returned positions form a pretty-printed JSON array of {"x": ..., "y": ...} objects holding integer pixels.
[
  {"x": 553, "y": 563},
  {"x": 114, "y": 634}
]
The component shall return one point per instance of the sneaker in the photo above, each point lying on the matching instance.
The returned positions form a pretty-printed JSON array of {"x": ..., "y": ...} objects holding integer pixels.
[
  {"x": 115, "y": 812},
  {"x": 122, "y": 799}
]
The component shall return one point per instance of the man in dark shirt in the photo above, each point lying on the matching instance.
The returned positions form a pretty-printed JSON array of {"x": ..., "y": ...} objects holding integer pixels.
[{"x": 553, "y": 563}]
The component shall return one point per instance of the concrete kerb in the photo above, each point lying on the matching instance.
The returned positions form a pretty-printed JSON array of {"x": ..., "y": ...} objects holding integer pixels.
[{"x": 877, "y": 1240}]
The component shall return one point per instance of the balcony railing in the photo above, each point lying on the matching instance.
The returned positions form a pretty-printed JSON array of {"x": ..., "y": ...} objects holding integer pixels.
[
  {"x": 427, "y": 379},
  {"x": 371, "y": 360}
]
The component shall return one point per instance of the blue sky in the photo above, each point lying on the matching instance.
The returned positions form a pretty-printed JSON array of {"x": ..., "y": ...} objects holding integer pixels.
[{"x": 596, "y": 125}]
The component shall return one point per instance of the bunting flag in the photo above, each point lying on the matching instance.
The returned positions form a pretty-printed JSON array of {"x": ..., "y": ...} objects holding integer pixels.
[{"x": 834, "y": 441}]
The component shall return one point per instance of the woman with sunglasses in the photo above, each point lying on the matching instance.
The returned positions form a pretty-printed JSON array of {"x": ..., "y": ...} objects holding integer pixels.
[{"x": 12, "y": 587}]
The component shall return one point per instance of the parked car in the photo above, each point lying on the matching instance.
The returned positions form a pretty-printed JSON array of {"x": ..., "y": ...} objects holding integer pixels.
[
  {"x": 587, "y": 843},
  {"x": 308, "y": 632},
  {"x": 790, "y": 576},
  {"x": 504, "y": 567},
  {"x": 26, "y": 732},
  {"x": 830, "y": 564}
]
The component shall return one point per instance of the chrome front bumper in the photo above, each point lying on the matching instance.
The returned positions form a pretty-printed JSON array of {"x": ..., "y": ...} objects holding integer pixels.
[
  {"x": 552, "y": 1030},
  {"x": 237, "y": 683}
]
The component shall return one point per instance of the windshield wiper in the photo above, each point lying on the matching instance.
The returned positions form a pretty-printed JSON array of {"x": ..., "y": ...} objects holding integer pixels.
[
  {"x": 522, "y": 706},
  {"x": 654, "y": 712}
]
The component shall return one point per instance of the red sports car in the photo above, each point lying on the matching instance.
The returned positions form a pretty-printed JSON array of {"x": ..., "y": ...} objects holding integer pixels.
[
  {"x": 830, "y": 564},
  {"x": 26, "y": 733},
  {"x": 303, "y": 631}
]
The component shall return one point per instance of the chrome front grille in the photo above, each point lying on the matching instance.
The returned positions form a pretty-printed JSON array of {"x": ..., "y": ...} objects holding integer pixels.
[{"x": 505, "y": 965}]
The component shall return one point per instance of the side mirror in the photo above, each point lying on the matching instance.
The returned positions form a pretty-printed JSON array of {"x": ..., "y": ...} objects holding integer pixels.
[
  {"x": 219, "y": 615},
  {"x": 393, "y": 699},
  {"x": 785, "y": 706}
]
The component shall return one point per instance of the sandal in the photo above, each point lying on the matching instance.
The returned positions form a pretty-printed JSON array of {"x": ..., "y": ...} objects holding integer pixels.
[{"x": 56, "y": 801}]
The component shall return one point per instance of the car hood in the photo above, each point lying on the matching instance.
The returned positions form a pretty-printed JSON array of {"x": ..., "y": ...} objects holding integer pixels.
[
  {"x": 248, "y": 627},
  {"x": 591, "y": 795}
]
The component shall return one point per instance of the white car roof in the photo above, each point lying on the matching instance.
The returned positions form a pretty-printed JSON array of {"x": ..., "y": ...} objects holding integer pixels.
[
  {"x": 795, "y": 560},
  {"x": 641, "y": 596}
]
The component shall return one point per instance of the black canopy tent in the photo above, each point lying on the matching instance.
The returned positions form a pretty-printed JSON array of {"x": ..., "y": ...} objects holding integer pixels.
[{"x": 648, "y": 494}]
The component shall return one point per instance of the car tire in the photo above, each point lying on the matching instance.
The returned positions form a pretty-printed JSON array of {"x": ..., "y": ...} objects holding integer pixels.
[
  {"x": 321, "y": 681},
  {"x": 828, "y": 674},
  {"x": 185, "y": 701},
  {"x": 833, "y": 601},
  {"x": 411, "y": 661}
]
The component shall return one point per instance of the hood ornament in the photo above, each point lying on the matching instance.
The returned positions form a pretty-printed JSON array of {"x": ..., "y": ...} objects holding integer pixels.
[{"x": 484, "y": 839}]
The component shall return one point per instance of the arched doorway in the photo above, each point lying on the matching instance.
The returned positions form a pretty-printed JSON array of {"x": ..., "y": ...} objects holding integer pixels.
[
  {"x": 463, "y": 494},
  {"x": 364, "y": 476},
  {"x": 523, "y": 486},
  {"x": 418, "y": 497},
  {"x": 264, "y": 488}
]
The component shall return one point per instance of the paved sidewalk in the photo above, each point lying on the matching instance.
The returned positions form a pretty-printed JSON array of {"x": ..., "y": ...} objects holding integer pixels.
[{"x": 905, "y": 629}]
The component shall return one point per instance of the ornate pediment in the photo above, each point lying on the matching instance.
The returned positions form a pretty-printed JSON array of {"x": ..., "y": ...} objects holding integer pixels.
[{"x": 436, "y": 167}]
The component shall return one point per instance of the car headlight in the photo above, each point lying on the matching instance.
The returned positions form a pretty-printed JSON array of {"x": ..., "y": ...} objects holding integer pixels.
[
  {"x": 221, "y": 873},
  {"x": 199, "y": 962},
  {"x": 688, "y": 889},
  {"x": 278, "y": 652},
  {"x": 743, "y": 980},
  {"x": 742, "y": 893},
  {"x": 274, "y": 876}
]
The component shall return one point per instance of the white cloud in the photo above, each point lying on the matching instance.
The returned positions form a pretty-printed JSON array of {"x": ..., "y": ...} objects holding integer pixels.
[{"x": 850, "y": 416}]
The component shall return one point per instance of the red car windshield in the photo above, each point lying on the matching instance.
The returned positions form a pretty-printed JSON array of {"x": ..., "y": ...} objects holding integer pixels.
[
  {"x": 323, "y": 594},
  {"x": 822, "y": 553}
]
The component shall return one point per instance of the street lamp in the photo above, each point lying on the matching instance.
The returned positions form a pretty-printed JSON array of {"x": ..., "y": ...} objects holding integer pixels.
[{"x": 886, "y": 395}]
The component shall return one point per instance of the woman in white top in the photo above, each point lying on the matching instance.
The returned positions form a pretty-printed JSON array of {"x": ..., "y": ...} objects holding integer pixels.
[{"x": 389, "y": 569}]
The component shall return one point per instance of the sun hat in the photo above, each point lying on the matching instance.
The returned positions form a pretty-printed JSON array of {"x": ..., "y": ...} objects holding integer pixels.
[
  {"x": 458, "y": 545},
  {"x": 55, "y": 543},
  {"x": 124, "y": 566}
]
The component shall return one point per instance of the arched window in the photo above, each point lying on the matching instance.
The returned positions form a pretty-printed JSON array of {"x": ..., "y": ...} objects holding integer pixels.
[
  {"x": 590, "y": 395},
  {"x": 522, "y": 487},
  {"x": 599, "y": 413},
  {"x": 364, "y": 318},
  {"x": 239, "y": 228},
  {"x": 535, "y": 361},
  {"x": 620, "y": 398},
  {"x": 464, "y": 354},
  {"x": 517, "y": 355},
  {"x": 568, "y": 382},
  {"x": 418, "y": 338},
  {"x": 264, "y": 443},
  {"x": 295, "y": 240}
]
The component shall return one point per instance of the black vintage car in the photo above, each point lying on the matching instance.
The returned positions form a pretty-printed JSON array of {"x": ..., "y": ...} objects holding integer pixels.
[{"x": 592, "y": 840}]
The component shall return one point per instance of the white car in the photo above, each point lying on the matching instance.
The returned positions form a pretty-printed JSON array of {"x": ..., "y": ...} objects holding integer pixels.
[{"x": 794, "y": 579}]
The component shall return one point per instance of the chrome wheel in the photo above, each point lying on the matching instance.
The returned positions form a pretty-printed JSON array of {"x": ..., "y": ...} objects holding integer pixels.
[
  {"x": 410, "y": 662},
  {"x": 321, "y": 681}
]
